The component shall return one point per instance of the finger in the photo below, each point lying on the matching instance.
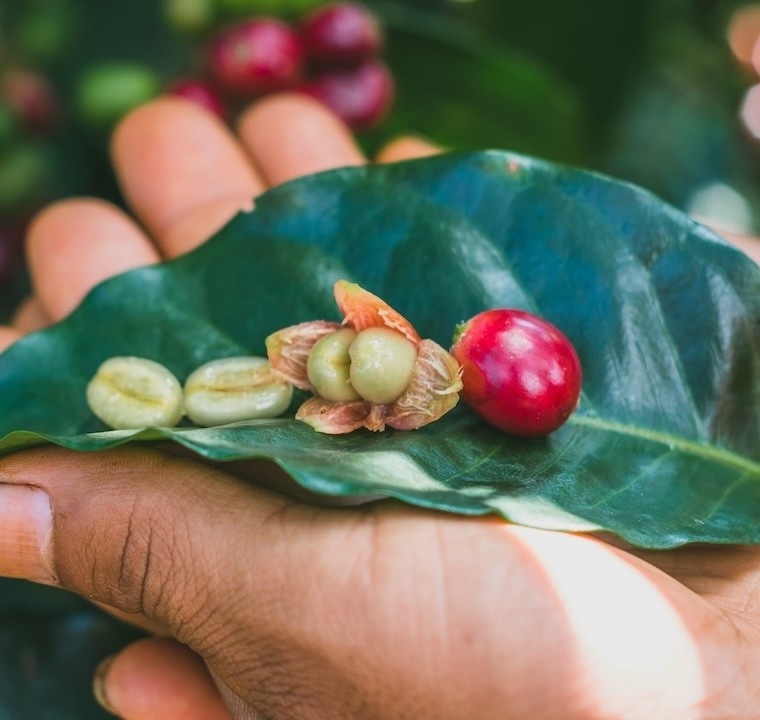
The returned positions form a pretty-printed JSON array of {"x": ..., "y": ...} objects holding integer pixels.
[
  {"x": 75, "y": 244},
  {"x": 170, "y": 538},
  {"x": 290, "y": 135},
  {"x": 233, "y": 571},
  {"x": 406, "y": 147},
  {"x": 299, "y": 626},
  {"x": 30, "y": 316},
  {"x": 736, "y": 588},
  {"x": 8, "y": 336},
  {"x": 748, "y": 244},
  {"x": 182, "y": 172},
  {"x": 158, "y": 678},
  {"x": 135, "y": 619}
]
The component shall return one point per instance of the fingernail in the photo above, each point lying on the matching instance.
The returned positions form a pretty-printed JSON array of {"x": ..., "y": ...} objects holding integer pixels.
[
  {"x": 26, "y": 532},
  {"x": 99, "y": 685}
]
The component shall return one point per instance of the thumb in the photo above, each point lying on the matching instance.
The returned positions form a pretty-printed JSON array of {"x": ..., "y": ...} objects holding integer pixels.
[{"x": 186, "y": 545}]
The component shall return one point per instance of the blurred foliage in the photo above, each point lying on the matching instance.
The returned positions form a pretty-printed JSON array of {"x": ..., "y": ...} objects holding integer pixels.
[
  {"x": 596, "y": 46},
  {"x": 678, "y": 130},
  {"x": 590, "y": 83},
  {"x": 51, "y": 642},
  {"x": 461, "y": 87}
]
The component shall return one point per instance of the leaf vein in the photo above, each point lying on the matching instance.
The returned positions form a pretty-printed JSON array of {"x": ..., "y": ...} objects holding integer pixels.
[
  {"x": 473, "y": 466},
  {"x": 693, "y": 448}
]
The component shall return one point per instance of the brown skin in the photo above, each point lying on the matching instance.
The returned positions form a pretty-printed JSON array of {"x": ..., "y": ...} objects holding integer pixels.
[{"x": 304, "y": 612}]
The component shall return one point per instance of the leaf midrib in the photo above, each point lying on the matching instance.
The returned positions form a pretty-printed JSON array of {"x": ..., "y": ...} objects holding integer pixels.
[{"x": 693, "y": 448}]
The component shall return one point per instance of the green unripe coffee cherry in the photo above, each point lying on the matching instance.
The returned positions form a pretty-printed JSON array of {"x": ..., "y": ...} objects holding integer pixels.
[
  {"x": 108, "y": 92},
  {"x": 23, "y": 171},
  {"x": 190, "y": 16},
  {"x": 328, "y": 366},
  {"x": 382, "y": 362}
]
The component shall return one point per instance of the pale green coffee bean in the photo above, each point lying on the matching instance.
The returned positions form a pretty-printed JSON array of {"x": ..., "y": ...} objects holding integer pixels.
[
  {"x": 132, "y": 392},
  {"x": 328, "y": 367},
  {"x": 382, "y": 361},
  {"x": 235, "y": 389}
]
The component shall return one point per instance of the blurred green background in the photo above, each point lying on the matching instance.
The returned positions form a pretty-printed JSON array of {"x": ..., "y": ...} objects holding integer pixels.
[
  {"x": 647, "y": 90},
  {"x": 658, "y": 92}
]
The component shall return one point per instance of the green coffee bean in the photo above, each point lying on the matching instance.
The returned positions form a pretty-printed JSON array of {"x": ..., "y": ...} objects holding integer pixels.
[
  {"x": 133, "y": 392},
  {"x": 382, "y": 361},
  {"x": 328, "y": 367},
  {"x": 234, "y": 389}
]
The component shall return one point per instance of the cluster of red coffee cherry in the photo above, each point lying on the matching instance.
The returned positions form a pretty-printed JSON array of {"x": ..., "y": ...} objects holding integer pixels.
[{"x": 332, "y": 54}]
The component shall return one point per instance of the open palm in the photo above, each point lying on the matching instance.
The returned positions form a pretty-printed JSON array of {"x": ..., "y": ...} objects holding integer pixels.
[{"x": 272, "y": 607}]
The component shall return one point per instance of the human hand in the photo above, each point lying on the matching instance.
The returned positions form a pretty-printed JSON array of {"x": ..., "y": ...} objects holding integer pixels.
[{"x": 304, "y": 612}]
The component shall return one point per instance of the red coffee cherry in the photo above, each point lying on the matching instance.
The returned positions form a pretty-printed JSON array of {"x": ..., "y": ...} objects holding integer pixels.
[
  {"x": 341, "y": 33},
  {"x": 199, "y": 92},
  {"x": 361, "y": 97},
  {"x": 32, "y": 99},
  {"x": 520, "y": 373},
  {"x": 256, "y": 56}
]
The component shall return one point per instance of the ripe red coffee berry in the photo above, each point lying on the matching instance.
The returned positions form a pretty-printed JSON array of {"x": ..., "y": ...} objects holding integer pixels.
[
  {"x": 256, "y": 56},
  {"x": 341, "y": 33},
  {"x": 200, "y": 93},
  {"x": 520, "y": 373},
  {"x": 32, "y": 99},
  {"x": 361, "y": 97}
]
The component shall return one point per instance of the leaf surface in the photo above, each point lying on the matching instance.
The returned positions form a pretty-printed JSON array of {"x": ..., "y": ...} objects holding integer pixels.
[{"x": 665, "y": 447}]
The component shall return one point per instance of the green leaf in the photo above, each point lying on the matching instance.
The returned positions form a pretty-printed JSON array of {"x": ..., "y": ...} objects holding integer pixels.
[{"x": 665, "y": 448}]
